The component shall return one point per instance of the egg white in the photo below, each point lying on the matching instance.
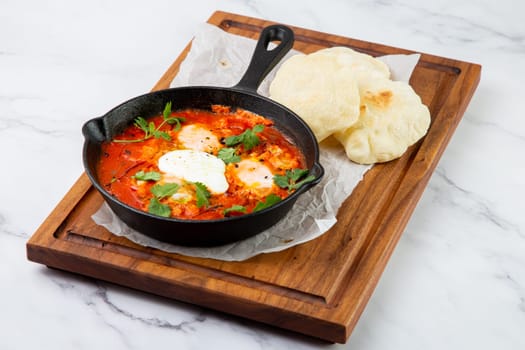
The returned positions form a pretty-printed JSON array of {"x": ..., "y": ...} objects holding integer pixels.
[{"x": 195, "y": 166}]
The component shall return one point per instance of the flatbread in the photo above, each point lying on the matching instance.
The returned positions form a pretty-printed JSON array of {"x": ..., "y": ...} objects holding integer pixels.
[
  {"x": 320, "y": 90},
  {"x": 339, "y": 91},
  {"x": 392, "y": 118},
  {"x": 363, "y": 66},
  {"x": 322, "y": 87}
]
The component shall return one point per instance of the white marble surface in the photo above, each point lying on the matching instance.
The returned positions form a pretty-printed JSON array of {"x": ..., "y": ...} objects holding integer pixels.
[{"x": 457, "y": 277}]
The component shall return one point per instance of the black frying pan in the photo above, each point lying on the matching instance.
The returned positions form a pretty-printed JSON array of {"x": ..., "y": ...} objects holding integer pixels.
[{"x": 243, "y": 95}]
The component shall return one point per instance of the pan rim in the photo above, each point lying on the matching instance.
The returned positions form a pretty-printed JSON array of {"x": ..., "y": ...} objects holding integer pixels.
[{"x": 253, "y": 94}]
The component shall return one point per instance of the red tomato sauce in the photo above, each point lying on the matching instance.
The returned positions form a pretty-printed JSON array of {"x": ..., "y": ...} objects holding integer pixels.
[{"x": 127, "y": 154}]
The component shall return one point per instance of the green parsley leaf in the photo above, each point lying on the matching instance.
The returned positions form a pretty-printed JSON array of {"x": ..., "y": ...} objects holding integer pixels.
[
  {"x": 142, "y": 124},
  {"x": 248, "y": 138},
  {"x": 228, "y": 155},
  {"x": 145, "y": 176},
  {"x": 281, "y": 180},
  {"x": 165, "y": 190},
  {"x": 167, "y": 111},
  {"x": 268, "y": 202},
  {"x": 150, "y": 130},
  {"x": 202, "y": 194},
  {"x": 290, "y": 179},
  {"x": 234, "y": 208},
  {"x": 258, "y": 128},
  {"x": 177, "y": 121},
  {"x": 166, "y": 114},
  {"x": 307, "y": 179},
  {"x": 161, "y": 134},
  {"x": 157, "y": 208},
  {"x": 296, "y": 174}
]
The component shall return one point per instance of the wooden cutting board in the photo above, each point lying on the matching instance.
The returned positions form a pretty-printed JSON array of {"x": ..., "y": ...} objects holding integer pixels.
[{"x": 319, "y": 288}]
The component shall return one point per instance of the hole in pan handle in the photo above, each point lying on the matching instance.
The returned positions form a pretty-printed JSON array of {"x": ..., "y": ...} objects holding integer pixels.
[{"x": 265, "y": 58}]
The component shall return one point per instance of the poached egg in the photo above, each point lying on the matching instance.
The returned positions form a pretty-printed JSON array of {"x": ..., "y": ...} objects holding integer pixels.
[
  {"x": 195, "y": 166},
  {"x": 254, "y": 174},
  {"x": 197, "y": 138}
]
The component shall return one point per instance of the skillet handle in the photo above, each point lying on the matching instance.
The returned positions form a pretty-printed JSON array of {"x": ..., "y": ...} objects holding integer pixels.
[
  {"x": 94, "y": 130},
  {"x": 264, "y": 59}
]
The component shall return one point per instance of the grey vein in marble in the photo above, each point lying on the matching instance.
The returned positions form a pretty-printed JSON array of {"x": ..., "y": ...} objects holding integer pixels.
[
  {"x": 12, "y": 123},
  {"x": 99, "y": 297},
  {"x": 465, "y": 30},
  {"x": 519, "y": 289},
  {"x": 154, "y": 322},
  {"x": 513, "y": 133},
  {"x": 5, "y": 231},
  {"x": 470, "y": 203}
]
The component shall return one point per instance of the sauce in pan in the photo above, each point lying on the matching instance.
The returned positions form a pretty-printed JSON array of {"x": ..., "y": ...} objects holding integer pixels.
[{"x": 201, "y": 165}]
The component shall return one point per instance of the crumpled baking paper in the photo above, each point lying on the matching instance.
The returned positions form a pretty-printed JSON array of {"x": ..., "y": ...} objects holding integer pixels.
[{"x": 217, "y": 58}]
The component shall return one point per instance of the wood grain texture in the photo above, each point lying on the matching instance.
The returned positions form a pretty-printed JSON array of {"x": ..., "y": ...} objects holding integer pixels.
[{"x": 319, "y": 288}]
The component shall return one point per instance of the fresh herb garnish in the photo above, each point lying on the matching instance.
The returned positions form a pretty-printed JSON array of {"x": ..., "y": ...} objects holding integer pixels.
[
  {"x": 202, "y": 194},
  {"x": 165, "y": 190},
  {"x": 234, "y": 208},
  {"x": 166, "y": 115},
  {"x": 291, "y": 179},
  {"x": 159, "y": 192},
  {"x": 150, "y": 130},
  {"x": 146, "y": 176},
  {"x": 228, "y": 155},
  {"x": 157, "y": 208},
  {"x": 248, "y": 138},
  {"x": 268, "y": 202}
]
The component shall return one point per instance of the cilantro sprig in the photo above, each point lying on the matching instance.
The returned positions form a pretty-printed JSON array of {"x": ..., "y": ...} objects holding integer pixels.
[
  {"x": 228, "y": 155},
  {"x": 159, "y": 192},
  {"x": 270, "y": 200},
  {"x": 147, "y": 175},
  {"x": 290, "y": 180},
  {"x": 202, "y": 193},
  {"x": 234, "y": 209},
  {"x": 165, "y": 190},
  {"x": 150, "y": 130},
  {"x": 248, "y": 138},
  {"x": 158, "y": 208}
]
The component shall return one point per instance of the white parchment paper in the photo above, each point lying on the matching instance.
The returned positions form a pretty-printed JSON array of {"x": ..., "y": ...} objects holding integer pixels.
[{"x": 218, "y": 58}]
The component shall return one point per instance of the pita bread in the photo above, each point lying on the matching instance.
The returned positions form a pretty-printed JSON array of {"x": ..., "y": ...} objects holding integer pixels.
[
  {"x": 392, "y": 118},
  {"x": 363, "y": 66},
  {"x": 318, "y": 89},
  {"x": 339, "y": 91}
]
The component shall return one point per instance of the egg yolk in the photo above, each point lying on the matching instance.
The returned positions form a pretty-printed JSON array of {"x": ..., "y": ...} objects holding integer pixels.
[{"x": 197, "y": 138}]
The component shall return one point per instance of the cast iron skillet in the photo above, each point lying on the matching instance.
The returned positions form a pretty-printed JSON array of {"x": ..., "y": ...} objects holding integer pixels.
[{"x": 243, "y": 95}]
